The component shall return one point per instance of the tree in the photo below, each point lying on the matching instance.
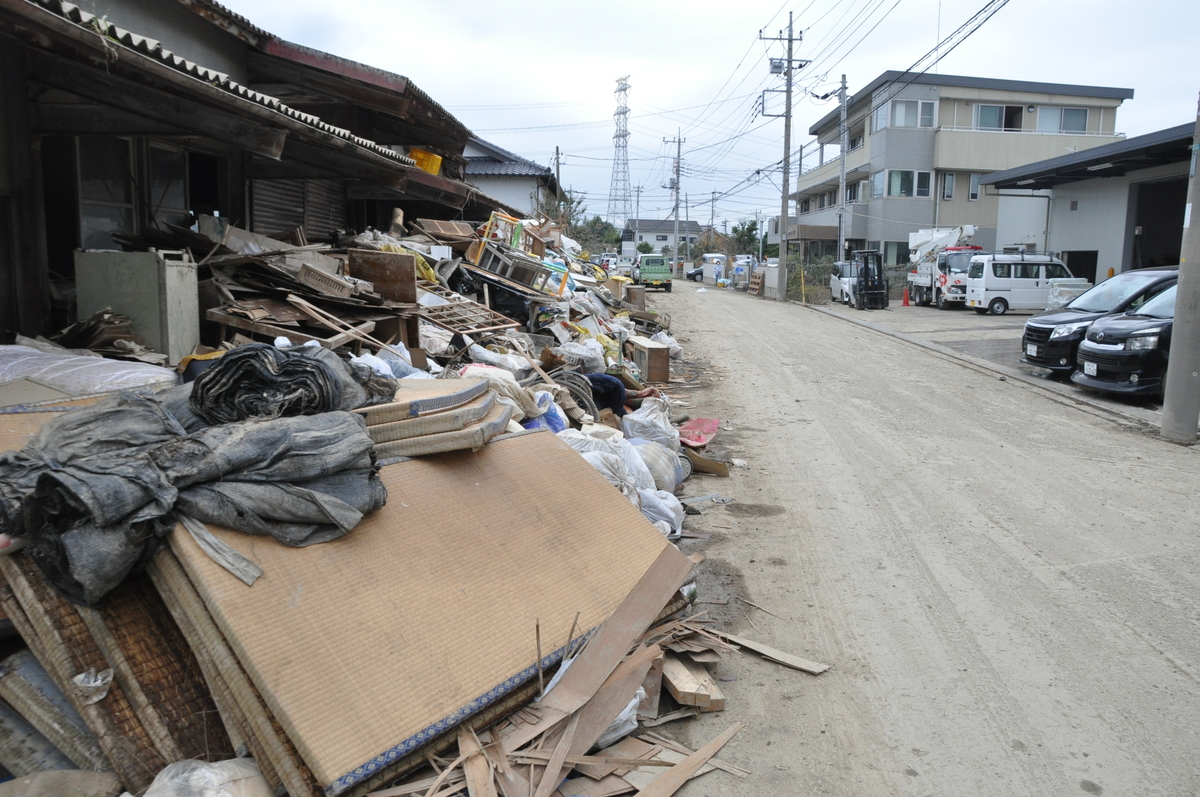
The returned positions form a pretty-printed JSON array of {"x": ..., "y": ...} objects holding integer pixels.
[
  {"x": 744, "y": 238},
  {"x": 666, "y": 250},
  {"x": 645, "y": 247},
  {"x": 569, "y": 212}
]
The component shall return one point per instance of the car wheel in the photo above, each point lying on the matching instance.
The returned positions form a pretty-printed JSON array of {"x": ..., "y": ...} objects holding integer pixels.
[
  {"x": 998, "y": 307},
  {"x": 942, "y": 304},
  {"x": 667, "y": 287}
]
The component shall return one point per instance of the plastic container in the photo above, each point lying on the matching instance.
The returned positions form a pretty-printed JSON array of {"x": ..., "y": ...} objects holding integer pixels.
[{"x": 426, "y": 161}]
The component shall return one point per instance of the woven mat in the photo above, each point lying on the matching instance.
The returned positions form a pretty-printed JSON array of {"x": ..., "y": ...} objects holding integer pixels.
[
  {"x": 417, "y": 397},
  {"x": 472, "y": 437},
  {"x": 451, "y": 420},
  {"x": 367, "y": 647}
]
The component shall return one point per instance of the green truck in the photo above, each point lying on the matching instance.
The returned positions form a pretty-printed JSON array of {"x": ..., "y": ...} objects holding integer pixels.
[{"x": 653, "y": 270}]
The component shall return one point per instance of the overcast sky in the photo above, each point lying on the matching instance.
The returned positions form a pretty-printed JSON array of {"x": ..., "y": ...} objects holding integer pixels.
[{"x": 533, "y": 75}]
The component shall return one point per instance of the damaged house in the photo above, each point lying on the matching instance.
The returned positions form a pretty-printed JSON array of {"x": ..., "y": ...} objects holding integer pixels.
[{"x": 158, "y": 112}]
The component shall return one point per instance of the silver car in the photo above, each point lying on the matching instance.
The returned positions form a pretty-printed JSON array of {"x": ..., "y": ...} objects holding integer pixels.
[{"x": 842, "y": 280}]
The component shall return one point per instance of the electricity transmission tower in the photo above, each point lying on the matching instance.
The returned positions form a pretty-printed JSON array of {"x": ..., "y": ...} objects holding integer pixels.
[{"x": 620, "y": 204}]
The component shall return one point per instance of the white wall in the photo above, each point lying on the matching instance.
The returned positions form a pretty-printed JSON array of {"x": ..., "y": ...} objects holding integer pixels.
[{"x": 515, "y": 191}]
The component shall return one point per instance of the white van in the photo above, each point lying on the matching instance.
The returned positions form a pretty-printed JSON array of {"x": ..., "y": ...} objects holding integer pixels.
[{"x": 999, "y": 283}]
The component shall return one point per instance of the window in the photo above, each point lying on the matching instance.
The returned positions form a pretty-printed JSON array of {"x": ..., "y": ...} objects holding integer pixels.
[
  {"x": 973, "y": 191},
  {"x": 821, "y": 200},
  {"x": 877, "y": 183},
  {"x": 692, "y": 239},
  {"x": 895, "y": 253},
  {"x": 1074, "y": 120},
  {"x": 999, "y": 117},
  {"x": 879, "y": 118},
  {"x": 948, "y": 185},
  {"x": 926, "y": 114},
  {"x": 660, "y": 237},
  {"x": 1074, "y": 204},
  {"x": 902, "y": 182},
  {"x": 851, "y": 192},
  {"x": 1053, "y": 119},
  {"x": 1026, "y": 271},
  {"x": 168, "y": 185},
  {"x": 1054, "y": 271},
  {"x": 683, "y": 238},
  {"x": 805, "y": 205},
  {"x": 641, "y": 237},
  {"x": 1002, "y": 270},
  {"x": 105, "y": 190},
  {"x": 856, "y": 140}
]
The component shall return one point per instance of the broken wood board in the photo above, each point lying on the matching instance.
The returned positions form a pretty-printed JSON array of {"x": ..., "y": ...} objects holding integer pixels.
[
  {"x": 648, "y": 706},
  {"x": 671, "y": 744},
  {"x": 393, "y": 274},
  {"x": 777, "y": 656},
  {"x": 475, "y": 764},
  {"x": 702, "y": 464},
  {"x": 670, "y": 781},
  {"x": 449, "y": 577},
  {"x": 609, "y": 786},
  {"x": 688, "y": 712},
  {"x": 690, "y": 684}
]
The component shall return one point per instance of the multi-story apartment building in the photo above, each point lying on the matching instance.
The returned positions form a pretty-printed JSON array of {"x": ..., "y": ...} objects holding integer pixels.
[{"x": 919, "y": 144}]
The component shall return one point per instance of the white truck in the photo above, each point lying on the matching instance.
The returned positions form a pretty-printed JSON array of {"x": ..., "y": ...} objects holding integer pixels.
[{"x": 940, "y": 258}]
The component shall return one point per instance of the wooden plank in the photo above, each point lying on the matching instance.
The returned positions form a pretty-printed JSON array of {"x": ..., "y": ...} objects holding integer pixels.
[
  {"x": 775, "y": 655},
  {"x": 628, "y": 748},
  {"x": 551, "y": 777},
  {"x": 609, "y": 786},
  {"x": 606, "y": 649},
  {"x": 475, "y": 765},
  {"x": 641, "y": 778},
  {"x": 690, "y": 684},
  {"x": 613, "y": 762},
  {"x": 689, "y": 712},
  {"x": 671, "y": 744},
  {"x": 393, "y": 274},
  {"x": 670, "y": 781}
]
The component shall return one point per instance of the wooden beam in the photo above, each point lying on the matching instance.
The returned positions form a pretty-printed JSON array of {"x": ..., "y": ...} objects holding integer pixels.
[
  {"x": 252, "y": 136},
  {"x": 86, "y": 118}
]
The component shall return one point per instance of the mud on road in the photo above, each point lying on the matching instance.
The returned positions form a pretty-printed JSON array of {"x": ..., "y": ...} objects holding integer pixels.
[{"x": 1004, "y": 583}]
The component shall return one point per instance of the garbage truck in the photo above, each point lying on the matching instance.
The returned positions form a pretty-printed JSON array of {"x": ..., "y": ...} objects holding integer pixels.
[{"x": 940, "y": 258}]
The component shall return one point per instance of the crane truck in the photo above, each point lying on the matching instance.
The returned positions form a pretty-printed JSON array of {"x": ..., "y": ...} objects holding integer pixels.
[{"x": 940, "y": 258}]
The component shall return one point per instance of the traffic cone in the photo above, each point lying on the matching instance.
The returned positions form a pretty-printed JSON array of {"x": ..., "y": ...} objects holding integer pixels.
[{"x": 905, "y": 303}]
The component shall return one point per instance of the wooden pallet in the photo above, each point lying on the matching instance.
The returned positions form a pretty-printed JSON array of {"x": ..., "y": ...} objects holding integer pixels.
[
  {"x": 756, "y": 284},
  {"x": 460, "y": 314}
]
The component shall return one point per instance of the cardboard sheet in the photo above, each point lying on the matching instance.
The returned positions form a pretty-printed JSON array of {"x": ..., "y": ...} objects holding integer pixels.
[{"x": 367, "y": 647}]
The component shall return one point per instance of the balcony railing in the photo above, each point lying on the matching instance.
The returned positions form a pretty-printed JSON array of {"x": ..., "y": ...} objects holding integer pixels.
[{"x": 960, "y": 129}]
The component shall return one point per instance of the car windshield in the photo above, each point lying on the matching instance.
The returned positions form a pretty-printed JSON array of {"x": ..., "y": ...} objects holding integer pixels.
[
  {"x": 1112, "y": 293},
  {"x": 958, "y": 262},
  {"x": 1161, "y": 306},
  {"x": 975, "y": 271}
]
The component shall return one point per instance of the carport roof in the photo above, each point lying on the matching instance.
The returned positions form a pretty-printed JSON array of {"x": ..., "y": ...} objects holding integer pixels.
[{"x": 1111, "y": 160}]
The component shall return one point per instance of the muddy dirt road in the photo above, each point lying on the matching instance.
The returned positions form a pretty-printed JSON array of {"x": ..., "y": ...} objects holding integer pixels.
[{"x": 1006, "y": 584}]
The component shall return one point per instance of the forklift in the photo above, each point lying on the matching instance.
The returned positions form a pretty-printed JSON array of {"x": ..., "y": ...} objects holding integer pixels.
[{"x": 871, "y": 289}]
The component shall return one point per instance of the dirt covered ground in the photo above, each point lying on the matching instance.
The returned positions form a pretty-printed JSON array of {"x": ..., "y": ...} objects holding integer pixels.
[{"x": 1004, "y": 581}]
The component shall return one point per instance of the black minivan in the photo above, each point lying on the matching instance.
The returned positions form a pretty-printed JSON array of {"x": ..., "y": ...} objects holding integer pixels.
[
  {"x": 1128, "y": 353},
  {"x": 1052, "y": 338}
]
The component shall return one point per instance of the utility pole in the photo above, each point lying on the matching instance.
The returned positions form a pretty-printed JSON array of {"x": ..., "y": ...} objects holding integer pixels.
[
  {"x": 1181, "y": 406},
  {"x": 787, "y": 134},
  {"x": 687, "y": 222},
  {"x": 674, "y": 186},
  {"x": 844, "y": 143},
  {"x": 558, "y": 185},
  {"x": 637, "y": 214},
  {"x": 758, "y": 235}
]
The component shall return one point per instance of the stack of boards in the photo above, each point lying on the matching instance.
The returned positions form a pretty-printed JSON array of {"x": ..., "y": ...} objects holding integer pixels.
[{"x": 434, "y": 416}]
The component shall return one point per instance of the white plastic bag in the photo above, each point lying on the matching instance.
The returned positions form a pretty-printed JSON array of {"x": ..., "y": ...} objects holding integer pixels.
[
  {"x": 509, "y": 362},
  {"x": 625, "y": 723},
  {"x": 507, "y": 390},
  {"x": 663, "y": 463},
  {"x": 652, "y": 421},
  {"x": 642, "y": 478},
  {"x": 613, "y": 469},
  {"x": 661, "y": 506},
  {"x": 80, "y": 376},
  {"x": 666, "y": 340},
  {"x": 588, "y": 354},
  {"x": 237, "y": 777}
]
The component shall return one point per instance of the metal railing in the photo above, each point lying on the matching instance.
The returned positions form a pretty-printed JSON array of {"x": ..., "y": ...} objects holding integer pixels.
[{"x": 961, "y": 129}]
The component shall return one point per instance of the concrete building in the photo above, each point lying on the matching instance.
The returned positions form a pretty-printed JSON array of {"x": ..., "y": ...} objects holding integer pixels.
[
  {"x": 658, "y": 233},
  {"x": 919, "y": 145},
  {"x": 507, "y": 176},
  {"x": 1109, "y": 209}
]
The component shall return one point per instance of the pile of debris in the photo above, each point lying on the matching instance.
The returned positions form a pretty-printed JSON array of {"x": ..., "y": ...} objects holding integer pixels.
[{"x": 406, "y": 531}]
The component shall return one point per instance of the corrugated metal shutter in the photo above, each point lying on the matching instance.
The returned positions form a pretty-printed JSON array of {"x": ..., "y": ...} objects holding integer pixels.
[
  {"x": 276, "y": 205},
  {"x": 325, "y": 209}
]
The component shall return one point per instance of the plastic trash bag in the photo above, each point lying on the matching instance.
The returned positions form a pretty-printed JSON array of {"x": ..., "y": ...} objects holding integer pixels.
[
  {"x": 652, "y": 422},
  {"x": 509, "y": 362},
  {"x": 552, "y": 417},
  {"x": 661, "y": 506},
  {"x": 237, "y": 777},
  {"x": 588, "y": 354},
  {"x": 662, "y": 463},
  {"x": 612, "y": 468},
  {"x": 625, "y": 723},
  {"x": 643, "y": 479},
  {"x": 665, "y": 339}
]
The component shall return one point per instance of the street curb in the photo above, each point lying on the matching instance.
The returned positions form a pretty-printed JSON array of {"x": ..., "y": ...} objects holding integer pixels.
[{"x": 986, "y": 365}]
